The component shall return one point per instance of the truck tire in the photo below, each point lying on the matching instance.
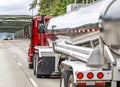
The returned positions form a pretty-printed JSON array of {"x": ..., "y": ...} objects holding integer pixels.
[
  {"x": 30, "y": 66},
  {"x": 71, "y": 82},
  {"x": 36, "y": 67},
  {"x": 118, "y": 83},
  {"x": 64, "y": 78},
  {"x": 46, "y": 76}
]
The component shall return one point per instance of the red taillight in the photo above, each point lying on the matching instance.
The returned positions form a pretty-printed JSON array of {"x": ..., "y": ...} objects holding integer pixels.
[
  {"x": 100, "y": 75},
  {"x": 80, "y": 75},
  {"x": 90, "y": 75}
]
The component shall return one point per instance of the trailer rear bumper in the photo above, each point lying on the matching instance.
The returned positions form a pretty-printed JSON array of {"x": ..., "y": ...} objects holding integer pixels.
[{"x": 93, "y": 84}]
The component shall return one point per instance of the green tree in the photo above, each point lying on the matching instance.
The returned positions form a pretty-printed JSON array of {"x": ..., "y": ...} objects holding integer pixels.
[
  {"x": 33, "y": 4},
  {"x": 52, "y": 7}
]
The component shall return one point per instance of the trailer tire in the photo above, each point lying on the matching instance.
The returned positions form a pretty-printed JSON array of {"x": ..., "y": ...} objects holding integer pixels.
[
  {"x": 71, "y": 82},
  {"x": 64, "y": 78}
]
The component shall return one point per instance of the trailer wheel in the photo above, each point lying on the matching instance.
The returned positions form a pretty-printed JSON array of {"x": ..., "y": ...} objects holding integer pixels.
[
  {"x": 71, "y": 82},
  {"x": 64, "y": 78}
]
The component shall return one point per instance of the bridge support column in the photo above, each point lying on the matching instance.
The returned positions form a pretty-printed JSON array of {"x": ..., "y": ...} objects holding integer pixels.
[
  {"x": 30, "y": 32},
  {"x": 23, "y": 33},
  {"x": 19, "y": 34},
  {"x": 27, "y": 31}
]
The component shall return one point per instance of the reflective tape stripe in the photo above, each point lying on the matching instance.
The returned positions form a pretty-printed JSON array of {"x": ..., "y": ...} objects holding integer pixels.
[
  {"x": 84, "y": 30},
  {"x": 90, "y": 83}
]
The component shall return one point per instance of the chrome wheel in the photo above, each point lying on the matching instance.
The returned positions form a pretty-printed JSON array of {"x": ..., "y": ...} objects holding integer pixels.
[
  {"x": 71, "y": 82},
  {"x": 70, "y": 85},
  {"x": 62, "y": 83}
]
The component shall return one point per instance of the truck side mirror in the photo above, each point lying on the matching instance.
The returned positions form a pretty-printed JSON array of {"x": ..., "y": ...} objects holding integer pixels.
[
  {"x": 53, "y": 28},
  {"x": 41, "y": 29},
  {"x": 100, "y": 24}
]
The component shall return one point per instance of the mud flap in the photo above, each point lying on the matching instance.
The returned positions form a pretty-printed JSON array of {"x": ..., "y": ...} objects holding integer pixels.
[{"x": 47, "y": 65}]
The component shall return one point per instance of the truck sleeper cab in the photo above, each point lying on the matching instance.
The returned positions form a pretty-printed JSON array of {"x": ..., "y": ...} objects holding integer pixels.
[
  {"x": 41, "y": 55},
  {"x": 37, "y": 38}
]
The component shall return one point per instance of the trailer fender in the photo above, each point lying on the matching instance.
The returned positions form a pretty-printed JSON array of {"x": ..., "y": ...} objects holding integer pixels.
[{"x": 73, "y": 66}]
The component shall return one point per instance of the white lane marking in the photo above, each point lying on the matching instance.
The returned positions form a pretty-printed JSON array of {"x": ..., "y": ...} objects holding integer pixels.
[
  {"x": 19, "y": 64},
  {"x": 33, "y": 82},
  {"x": 10, "y": 50},
  {"x": 14, "y": 56}
]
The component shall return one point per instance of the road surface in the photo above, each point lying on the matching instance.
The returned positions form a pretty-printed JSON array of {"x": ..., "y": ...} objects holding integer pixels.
[{"x": 14, "y": 71}]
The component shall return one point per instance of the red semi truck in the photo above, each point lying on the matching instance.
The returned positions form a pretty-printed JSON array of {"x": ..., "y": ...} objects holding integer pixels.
[
  {"x": 37, "y": 36},
  {"x": 41, "y": 55}
]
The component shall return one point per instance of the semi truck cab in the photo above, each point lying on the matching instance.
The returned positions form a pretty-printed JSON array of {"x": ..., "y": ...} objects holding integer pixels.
[{"x": 38, "y": 37}]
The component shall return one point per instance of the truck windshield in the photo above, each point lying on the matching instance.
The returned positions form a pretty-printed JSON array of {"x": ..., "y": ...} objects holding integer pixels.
[{"x": 41, "y": 28}]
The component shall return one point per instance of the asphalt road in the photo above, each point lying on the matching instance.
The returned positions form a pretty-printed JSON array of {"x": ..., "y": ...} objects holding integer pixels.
[{"x": 14, "y": 71}]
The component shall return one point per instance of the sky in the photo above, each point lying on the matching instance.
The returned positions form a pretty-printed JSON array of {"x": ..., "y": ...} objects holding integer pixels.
[{"x": 16, "y": 7}]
